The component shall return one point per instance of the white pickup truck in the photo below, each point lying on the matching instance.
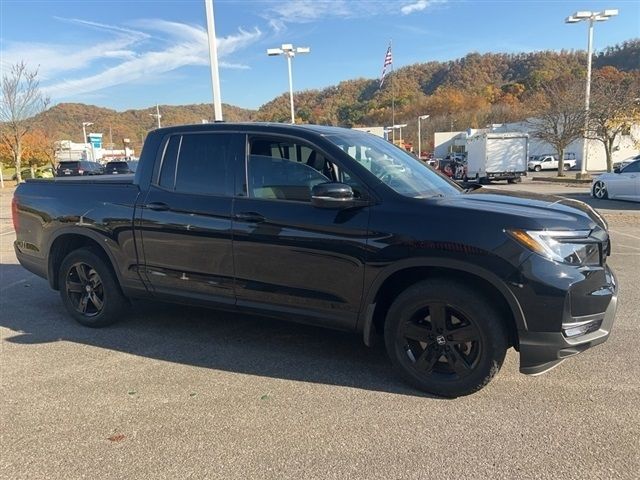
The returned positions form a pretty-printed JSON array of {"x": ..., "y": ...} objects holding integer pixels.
[{"x": 548, "y": 162}]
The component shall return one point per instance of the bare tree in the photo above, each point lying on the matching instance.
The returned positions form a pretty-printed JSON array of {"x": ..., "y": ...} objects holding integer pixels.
[
  {"x": 614, "y": 109},
  {"x": 21, "y": 100},
  {"x": 560, "y": 116}
]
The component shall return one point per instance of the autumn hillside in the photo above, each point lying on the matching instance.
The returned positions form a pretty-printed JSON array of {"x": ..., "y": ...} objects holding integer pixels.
[
  {"x": 64, "y": 121},
  {"x": 469, "y": 92}
]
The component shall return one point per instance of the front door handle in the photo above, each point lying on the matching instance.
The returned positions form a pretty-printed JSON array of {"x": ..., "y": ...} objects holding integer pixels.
[
  {"x": 157, "y": 206},
  {"x": 251, "y": 217}
]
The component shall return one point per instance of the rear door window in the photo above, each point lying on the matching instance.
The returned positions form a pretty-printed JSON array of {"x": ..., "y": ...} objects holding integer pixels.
[{"x": 198, "y": 164}]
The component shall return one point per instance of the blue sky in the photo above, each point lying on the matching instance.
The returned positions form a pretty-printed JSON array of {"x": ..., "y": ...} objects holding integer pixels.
[{"x": 132, "y": 54}]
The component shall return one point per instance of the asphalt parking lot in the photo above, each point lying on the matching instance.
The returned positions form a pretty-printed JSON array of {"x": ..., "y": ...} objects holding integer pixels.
[{"x": 175, "y": 392}]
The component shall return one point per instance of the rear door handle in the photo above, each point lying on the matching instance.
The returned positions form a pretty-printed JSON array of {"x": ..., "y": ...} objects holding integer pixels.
[
  {"x": 252, "y": 217},
  {"x": 157, "y": 206}
]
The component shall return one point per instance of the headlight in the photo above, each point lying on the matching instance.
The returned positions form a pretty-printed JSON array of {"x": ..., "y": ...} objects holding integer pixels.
[{"x": 573, "y": 247}]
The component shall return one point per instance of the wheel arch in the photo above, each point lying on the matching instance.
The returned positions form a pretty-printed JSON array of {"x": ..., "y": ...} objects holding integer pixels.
[
  {"x": 69, "y": 240},
  {"x": 391, "y": 282}
]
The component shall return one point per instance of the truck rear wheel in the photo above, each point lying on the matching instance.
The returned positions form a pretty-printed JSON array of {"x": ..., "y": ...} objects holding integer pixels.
[
  {"x": 445, "y": 338},
  {"x": 89, "y": 289}
]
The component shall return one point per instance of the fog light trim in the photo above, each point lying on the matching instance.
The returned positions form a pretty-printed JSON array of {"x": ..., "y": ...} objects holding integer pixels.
[{"x": 570, "y": 330}]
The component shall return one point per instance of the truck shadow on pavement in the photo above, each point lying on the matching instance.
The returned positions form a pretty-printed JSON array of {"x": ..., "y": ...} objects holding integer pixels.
[{"x": 204, "y": 338}]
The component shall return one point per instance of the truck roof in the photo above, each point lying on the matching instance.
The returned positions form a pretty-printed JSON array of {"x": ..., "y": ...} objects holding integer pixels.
[{"x": 248, "y": 126}]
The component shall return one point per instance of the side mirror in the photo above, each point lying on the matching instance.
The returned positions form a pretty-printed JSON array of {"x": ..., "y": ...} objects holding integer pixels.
[
  {"x": 332, "y": 195},
  {"x": 616, "y": 170}
]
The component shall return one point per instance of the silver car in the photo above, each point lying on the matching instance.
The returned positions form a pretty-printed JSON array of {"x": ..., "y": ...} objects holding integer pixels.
[{"x": 621, "y": 184}]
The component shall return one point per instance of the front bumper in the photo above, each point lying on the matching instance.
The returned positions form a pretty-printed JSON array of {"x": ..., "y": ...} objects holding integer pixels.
[{"x": 542, "y": 351}]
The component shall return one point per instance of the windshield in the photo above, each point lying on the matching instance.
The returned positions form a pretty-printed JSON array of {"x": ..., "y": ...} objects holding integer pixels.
[{"x": 403, "y": 173}]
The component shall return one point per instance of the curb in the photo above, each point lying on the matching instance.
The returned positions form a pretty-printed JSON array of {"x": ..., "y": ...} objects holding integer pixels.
[{"x": 561, "y": 180}]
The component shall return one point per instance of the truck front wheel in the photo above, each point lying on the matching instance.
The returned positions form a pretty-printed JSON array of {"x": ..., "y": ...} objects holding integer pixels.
[
  {"x": 89, "y": 289},
  {"x": 445, "y": 338}
]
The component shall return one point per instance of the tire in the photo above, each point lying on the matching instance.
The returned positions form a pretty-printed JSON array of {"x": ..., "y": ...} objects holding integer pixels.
[
  {"x": 512, "y": 180},
  {"x": 537, "y": 168},
  {"x": 600, "y": 191},
  {"x": 420, "y": 337},
  {"x": 89, "y": 289},
  {"x": 566, "y": 167}
]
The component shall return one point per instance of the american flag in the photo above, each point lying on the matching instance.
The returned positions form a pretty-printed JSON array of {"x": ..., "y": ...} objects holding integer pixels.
[{"x": 388, "y": 60}]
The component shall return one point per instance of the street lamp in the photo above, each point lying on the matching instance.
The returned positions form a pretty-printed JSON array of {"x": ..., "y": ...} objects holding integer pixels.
[
  {"x": 84, "y": 135},
  {"x": 421, "y": 117},
  {"x": 399, "y": 127},
  {"x": 289, "y": 51},
  {"x": 591, "y": 17}
]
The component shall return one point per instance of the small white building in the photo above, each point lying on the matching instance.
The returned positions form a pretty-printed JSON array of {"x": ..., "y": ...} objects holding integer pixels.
[
  {"x": 68, "y": 150},
  {"x": 448, "y": 142},
  {"x": 378, "y": 131}
]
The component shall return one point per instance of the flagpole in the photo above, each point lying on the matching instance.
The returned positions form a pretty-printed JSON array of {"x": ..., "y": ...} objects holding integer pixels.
[{"x": 393, "y": 97}]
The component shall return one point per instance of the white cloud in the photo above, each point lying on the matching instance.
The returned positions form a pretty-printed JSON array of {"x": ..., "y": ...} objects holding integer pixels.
[
  {"x": 137, "y": 53},
  {"x": 282, "y": 12},
  {"x": 419, "y": 6}
]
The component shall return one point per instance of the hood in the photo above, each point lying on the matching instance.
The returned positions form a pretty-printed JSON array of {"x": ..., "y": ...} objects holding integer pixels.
[{"x": 533, "y": 211}]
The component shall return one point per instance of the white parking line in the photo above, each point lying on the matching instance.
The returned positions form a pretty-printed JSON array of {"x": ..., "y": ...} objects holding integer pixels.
[
  {"x": 629, "y": 246},
  {"x": 7, "y": 233},
  {"x": 625, "y": 234}
]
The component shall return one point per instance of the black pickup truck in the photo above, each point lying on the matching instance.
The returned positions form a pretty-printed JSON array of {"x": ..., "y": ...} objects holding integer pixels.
[{"x": 332, "y": 227}]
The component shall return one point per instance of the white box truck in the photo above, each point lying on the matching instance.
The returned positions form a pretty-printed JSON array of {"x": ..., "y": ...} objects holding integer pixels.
[{"x": 497, "y": 156}]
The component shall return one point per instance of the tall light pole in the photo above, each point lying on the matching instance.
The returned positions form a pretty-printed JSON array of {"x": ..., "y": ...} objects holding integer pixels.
[
  {"x": 157, "y": 115},
  {"x": 591, "y": 17},
  {"x": 84, "y": 136},
  {"x": 213, "y": 60},
  {"x": 289, "y": 51},
  {"x": 421, "y": 117}
]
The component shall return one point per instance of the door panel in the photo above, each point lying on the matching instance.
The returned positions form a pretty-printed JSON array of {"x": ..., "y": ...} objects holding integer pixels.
[
  {"x": 187, "y": 247},
  {"x": 288, "y": 254},
  {"x": 301, "y": 257},
  {"x": 185, "y": 220}
]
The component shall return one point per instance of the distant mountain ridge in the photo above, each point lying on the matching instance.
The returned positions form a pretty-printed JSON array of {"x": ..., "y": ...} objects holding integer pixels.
[{"x": 462, "y": 93}]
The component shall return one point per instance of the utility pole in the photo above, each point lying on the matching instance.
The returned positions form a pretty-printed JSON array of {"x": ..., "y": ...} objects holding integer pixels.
[{"x": 157, "y": 115}]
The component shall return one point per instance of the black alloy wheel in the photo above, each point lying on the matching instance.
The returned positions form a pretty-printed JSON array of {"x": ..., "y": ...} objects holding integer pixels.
[
  {"x": 439, "y": 340},
  {"x": 89, "y": 288},
  {"x": 445, "y": 338},
  {"x": 84, "y": 288}
]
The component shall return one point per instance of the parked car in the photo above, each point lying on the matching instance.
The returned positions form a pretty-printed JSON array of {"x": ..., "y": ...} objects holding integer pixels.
[
  {"x": 333, "y": 227},
  {"x": 71, "y": 168},
  {"x": 625, "y": 162},
  {"x": 116, "y": 167},
  {"x": 42, "y": 172},
  {"x": 549, "y": 162},
  {"x": 621, "y": 184}
]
